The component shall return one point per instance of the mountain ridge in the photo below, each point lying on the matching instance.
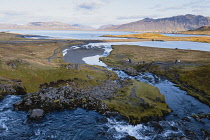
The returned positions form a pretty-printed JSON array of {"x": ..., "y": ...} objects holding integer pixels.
[
  {"x": 168, "y": 24},
  {"x": 175, "y": 23}
]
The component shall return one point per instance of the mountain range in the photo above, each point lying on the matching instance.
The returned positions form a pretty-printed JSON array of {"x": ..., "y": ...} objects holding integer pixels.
[{"x": 175, "y": 23}]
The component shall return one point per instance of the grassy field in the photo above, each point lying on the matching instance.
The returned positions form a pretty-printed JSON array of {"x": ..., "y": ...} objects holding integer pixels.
[
  {"x": 197, "y": 32},
  {"x": 139, "y": 102},
  {"x": 121, "y": 53},
  {"x": 159, "y": 37},
  {"x": 192, "y": 74},
  {"x": 26, "y": 60}
]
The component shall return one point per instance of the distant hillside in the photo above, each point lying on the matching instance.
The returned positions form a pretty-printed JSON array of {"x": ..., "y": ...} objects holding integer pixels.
[
  {"x": 49, "y": 26},
  {"x": 106, "y": 26},
  {"x": 84, "y": 27},
  {"x": 176, "y": 23},
  {"x": 203, "y": 28},
  {"x": 40, "y": 26}
]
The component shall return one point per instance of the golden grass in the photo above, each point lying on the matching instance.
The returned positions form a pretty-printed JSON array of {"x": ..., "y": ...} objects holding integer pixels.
[
  {"x": 8, "y": 36},
  {"x": 197, "y": 32},
  {"x": 156, "y": 37}
]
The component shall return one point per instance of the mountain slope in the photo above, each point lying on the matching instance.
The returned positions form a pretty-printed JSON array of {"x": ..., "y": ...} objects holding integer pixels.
[
  {"x": 40, "y": 26},
  {"x": 176, "y": 23},
  {"x": 106, "y": 26},
  {"x": 49, "y": 25},
  {"x": 203, "y": 28},
  {"x": 83, "y": 27}
]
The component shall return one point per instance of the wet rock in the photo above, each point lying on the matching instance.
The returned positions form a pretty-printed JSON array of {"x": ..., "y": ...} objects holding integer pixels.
[
  {"x": 175, "y": 115},
  {"x": 157, "y": 127},
  {"x": 206, "y": 134},
  {"x": 36, "y": 114},
  {"x": 15, "y": 88},
  {"x": 199, "y": 117},
  {"x": 128, "y": 138},
  {"x": 109, "y": 113},
  {"x": 50, "y": 99},
  {"x": 130, "y": 71},
  {"x": 183, "y": 138},
  {"x": 190, "y": 134},
  {"x": 186, "y": 119}
]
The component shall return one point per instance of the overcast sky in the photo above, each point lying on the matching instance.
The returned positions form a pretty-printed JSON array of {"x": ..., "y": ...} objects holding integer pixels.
[{"x": 97, "y": 12}]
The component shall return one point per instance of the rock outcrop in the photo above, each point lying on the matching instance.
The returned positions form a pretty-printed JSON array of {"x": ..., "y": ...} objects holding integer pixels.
[{"x": 50, "y": 99}]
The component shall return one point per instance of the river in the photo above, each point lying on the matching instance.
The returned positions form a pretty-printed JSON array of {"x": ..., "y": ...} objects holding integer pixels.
[{"x": 80, "y": 124}]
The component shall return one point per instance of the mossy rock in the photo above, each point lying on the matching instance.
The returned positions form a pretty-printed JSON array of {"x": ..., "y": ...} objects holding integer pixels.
[{"x": 139, "y": 102}]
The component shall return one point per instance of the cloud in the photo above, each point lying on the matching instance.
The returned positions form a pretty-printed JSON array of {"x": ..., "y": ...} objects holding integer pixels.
[
  {"x": 21, "y": 17},
  {"x": 136, "y": 17},
  {"x": 11, "y": 13},
  {"x": 92, "y": 4},
  {"x": 193, "y": 4},
  {"x": 172, "y": 8}
]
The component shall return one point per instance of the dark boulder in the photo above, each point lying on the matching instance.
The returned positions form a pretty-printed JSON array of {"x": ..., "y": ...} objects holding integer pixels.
[{"x": 36, "y": 114}]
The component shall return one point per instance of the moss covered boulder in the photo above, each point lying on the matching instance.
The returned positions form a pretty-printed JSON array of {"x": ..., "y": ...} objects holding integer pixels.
[{"x": 139, "y": 102}]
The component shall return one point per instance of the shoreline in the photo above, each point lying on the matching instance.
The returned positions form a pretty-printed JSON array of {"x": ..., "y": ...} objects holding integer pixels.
[{"x": 76, "y": 55}]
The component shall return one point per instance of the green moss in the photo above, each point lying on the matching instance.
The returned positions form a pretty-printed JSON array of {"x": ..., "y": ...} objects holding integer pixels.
[
  {"x": 139, "y": 102},
  {"x": 33, "y": 75},
  {"x": 189, "y": 75}
]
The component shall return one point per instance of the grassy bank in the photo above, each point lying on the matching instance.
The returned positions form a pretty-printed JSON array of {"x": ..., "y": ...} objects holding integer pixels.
[
  {"x": 24, "y": 64},
  {"x": 26, "y": 61},
  {"x": 139, "y": 102},
  {"x": 192, "y": 74}
]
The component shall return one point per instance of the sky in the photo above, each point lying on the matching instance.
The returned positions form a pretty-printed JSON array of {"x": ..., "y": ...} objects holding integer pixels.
[{"x": 97, "y": 12}]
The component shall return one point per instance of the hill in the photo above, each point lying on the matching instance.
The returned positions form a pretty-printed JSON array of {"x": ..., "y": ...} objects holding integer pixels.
[
  {"x": 176, "y": 23},
  {"x": 106, "y": 26},
  {"x": 40, "y": 26},
  {"x": 203, "y": 28},
  {"x": 84, "y": 27}
]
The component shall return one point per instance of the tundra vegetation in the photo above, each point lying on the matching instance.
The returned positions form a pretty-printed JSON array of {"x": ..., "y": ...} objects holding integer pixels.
[
  {"x": 192, "y": 74},
  {"x": 159, "y": 37},
  {"x": 139, "y": 102},
  {"x": 28, "y": 66},
  {"x": 24, "y": 61}
]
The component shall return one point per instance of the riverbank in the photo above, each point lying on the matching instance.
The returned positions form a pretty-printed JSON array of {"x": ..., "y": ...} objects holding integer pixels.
[
  {"x": 80, "y": 87},
  {"x": 159, "y": 37},
  {"x": 39, "y": 65},
  {"x": 191, "y": 73},
  {"x": 28, "y": 61}
]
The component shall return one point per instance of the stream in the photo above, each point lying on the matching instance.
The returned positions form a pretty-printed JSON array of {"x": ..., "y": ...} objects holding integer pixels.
[{"x": 80, "y": 124}]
